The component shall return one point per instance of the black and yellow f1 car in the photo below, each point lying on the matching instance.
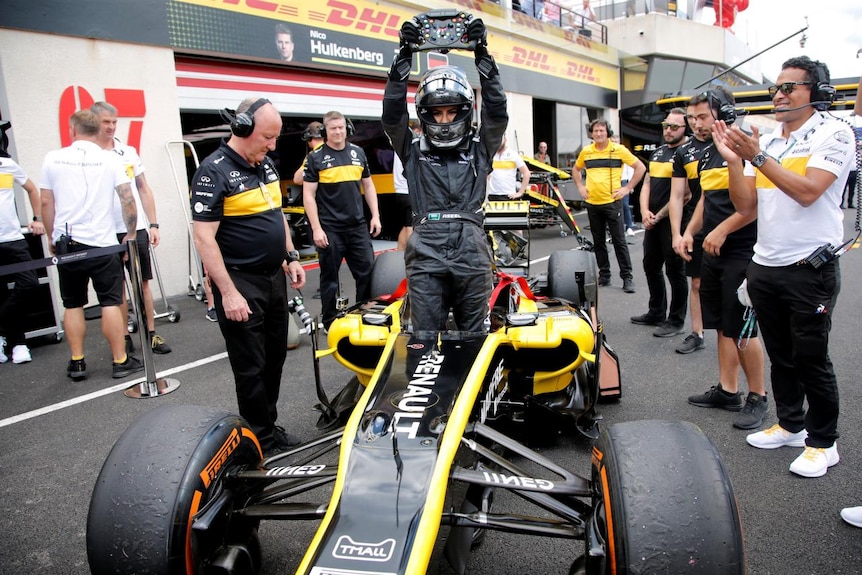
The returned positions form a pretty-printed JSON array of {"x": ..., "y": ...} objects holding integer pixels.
[{"x": 409, "y": 479}]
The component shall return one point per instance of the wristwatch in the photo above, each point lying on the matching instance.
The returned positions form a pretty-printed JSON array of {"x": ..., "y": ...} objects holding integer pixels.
[
  {"x": 154, "y": 226},
  {"x": 292, "y": 256},
  {"x": 37, "y": 218},
  {"x": 759, "y": 159}
]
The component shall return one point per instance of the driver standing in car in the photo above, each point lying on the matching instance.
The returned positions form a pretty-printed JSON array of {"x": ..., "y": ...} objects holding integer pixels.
[{"x": 447, "y": 258}]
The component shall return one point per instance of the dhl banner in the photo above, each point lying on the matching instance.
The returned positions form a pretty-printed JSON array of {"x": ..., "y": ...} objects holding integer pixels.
[{"x": 352, "y": 33}]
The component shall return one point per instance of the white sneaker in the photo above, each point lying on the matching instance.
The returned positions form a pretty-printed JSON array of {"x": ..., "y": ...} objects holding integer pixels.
[
  {"x": 21, "y": 354},
  {"x": 775, "y": 437},
  {"x": 630, "y": 232},
  {"x": 814, "y": 461},
  {"x": 852, "y": 515},
  {"x": 3, "y": 357}
]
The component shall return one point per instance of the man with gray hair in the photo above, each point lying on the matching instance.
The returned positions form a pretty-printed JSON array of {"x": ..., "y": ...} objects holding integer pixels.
[
  {"x": 145, "y": 204},
  {"x": 76, "y": 185}
]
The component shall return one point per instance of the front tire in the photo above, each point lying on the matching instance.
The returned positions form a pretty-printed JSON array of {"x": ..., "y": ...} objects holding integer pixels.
[
  {"x": 388, "y": 271},
  {"x": 663, "y": 503},
  {"x": 562, "y": 280},
  {"x": 167, "y": 466}
]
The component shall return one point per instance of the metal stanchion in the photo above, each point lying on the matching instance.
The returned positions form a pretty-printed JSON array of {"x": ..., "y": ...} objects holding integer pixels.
[{"x": 152, "y": 387}]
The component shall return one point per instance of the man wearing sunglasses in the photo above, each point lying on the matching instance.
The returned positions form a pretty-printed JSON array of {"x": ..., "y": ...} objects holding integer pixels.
[
  {"x": 658, "y": 241},
  {"x": 793, "y": 179}
]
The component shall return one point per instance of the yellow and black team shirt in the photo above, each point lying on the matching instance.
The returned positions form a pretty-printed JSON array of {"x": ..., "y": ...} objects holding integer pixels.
[
  {"x": 685, "y": 160},
  {"x": 339, "y": 175},
  {"x": 246, "y": 201},
  {"x": 660, "y": 175},
  {"x": 717, "y": 205},
  {"x": 604, "y": 170}
]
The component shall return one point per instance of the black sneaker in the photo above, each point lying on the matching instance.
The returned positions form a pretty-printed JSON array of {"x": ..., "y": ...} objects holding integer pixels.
[
  {"x": 77, "y": 369},
  {"x": 130, "y": 344},
  {"x": 691, "y": 343},
  {"x": 283, "y": 439},
  {"x": 127, "y": 368},
  {"x": 159, "y": 345},
  {"x": 751, "y": 416},
  {"x": 629, "y": 285},
  {"x": 717, "y": 397},
  {"x": 668, "y": 329},
  {"x": 647, "y": 319},
  {"x": 211, "y": 314},
  {"x": 604, "y": 282}
]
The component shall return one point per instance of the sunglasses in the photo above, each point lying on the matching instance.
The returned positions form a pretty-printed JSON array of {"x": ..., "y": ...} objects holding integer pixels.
[
  {"x": 674, "y": 127},
  {"x": 786, "y": 87}
]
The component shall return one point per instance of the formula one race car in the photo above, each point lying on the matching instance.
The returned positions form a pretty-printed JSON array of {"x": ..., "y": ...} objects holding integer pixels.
[{"x": 410, "y": 478}]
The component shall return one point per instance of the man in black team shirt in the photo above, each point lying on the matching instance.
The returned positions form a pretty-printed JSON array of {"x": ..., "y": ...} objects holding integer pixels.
[
  {"x": 658, "y": 240},
  {"x": 728, "y": 244},
  {"x": 336, "y": 174},
  {"x": 245, "y": 245}
]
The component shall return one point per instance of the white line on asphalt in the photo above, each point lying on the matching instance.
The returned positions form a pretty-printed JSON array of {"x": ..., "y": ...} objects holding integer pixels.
[{"x": 108, "y": 390}]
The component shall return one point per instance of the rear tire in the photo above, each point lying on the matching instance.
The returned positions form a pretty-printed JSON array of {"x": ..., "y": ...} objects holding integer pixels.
[
  {"x": 389, "y": 270},
  {"x": 562, "y": 282},
  {"x": 663, "y": 503},
  {"x": 151, "y": 486}
]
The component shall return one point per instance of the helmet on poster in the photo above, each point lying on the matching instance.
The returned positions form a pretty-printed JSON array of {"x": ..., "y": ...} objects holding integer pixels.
[{"x": 445, "y": 86}]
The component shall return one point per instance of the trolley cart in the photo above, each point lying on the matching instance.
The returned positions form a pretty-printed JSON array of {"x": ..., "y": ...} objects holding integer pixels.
[{"x": 196, "y": 270}]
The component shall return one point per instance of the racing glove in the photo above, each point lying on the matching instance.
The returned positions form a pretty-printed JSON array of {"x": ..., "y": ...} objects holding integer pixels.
[
  {"x": 409, "y": 35},
  {"x": 485, "y": 65}
]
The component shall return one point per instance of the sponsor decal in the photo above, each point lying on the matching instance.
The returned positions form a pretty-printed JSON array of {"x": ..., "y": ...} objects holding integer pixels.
[
  {"x": 208, "y": 474},
  {"x": 347, "y": 548},
  {"x": 200, "y": 208},
  {"x": 842, "y": 137},
  {"x": 518, "y": 481},
  {"x": 295, "y": 470},
  {"x": 234, "y": 174},
  {"x": 493, "y": 396},
  {"x": 129, "y": 103},
  {"x": 418, "y": 396}
]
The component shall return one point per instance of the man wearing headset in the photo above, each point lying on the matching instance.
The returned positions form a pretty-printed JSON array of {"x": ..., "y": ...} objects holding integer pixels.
[
  {"x": 792, "y": 179},
  {"x": 447, "y": 257},
  {"x": 728, "y": 240},
  {"x": 245, "y": 245}
]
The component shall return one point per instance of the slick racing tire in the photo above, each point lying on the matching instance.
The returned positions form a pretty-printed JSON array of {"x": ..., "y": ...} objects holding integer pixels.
[
  {"x": 167, "y": 466},
  {"x": 562, "y": 280},
  {"x": 387, "y": 273},
  {"x": 663, "y": 503}
]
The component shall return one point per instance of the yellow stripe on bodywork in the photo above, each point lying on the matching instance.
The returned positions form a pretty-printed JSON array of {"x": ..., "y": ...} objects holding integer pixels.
[
  {"x": 429, "y": 525},
  {"x": 350, "y": 431},
  {"x": 251, "y": 202},
  {"x": 337, "y": 174}
]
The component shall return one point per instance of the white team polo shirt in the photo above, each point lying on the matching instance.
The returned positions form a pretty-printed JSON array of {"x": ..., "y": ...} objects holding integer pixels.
[
  {"x": 83, "y": 178},
  {"x": 10, "y": 226},
  {"x": 786, "y": 231}
]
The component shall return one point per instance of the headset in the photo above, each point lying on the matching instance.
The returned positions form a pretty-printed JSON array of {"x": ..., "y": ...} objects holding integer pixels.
[
  {"x": 726, "y": 110},
  {"x": 601, "y": 121},
  {"x": 242, "y": 124},
  {"x": 347, "y": 122},
  {"x": 822, "y": 93},
  {"x": 4, "y": 139},
  {"x": 312, "y": 131}
]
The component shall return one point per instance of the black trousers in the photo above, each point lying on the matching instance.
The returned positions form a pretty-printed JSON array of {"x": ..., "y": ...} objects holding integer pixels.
[
  {"x": 17, "y": 302},
  {"x": 257, "y": 348},
  {"x": 354, "y": 246},
  {"x": 794, "y": 306},
  {"x": 604, "y": 218},
  {"x": 658, "y": 253}
]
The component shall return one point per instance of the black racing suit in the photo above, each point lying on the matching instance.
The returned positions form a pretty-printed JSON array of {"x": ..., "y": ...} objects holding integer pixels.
[{"x": 447, "y": 258}]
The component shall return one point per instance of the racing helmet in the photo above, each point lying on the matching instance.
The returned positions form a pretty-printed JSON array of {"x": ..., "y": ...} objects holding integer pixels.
[{"x": 445, "y": 86}]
